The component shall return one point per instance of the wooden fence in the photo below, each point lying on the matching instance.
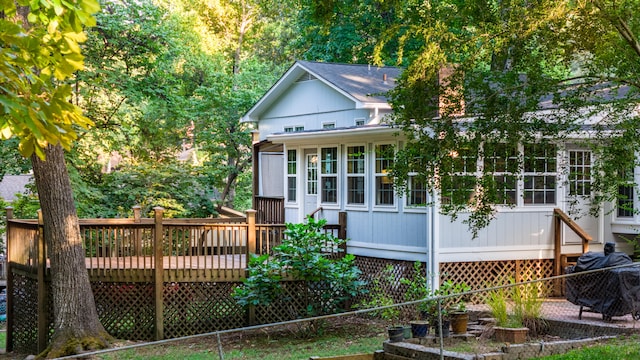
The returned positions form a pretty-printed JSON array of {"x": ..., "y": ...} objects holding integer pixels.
[{"x": 152, "y": 278}]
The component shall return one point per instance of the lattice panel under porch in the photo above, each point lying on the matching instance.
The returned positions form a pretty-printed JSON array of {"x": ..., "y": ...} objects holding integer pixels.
[
  {"x": 387, "y": 275},
  {"x": 483, "y": 274},
  {"x": 292, "y": 304},
  {"x": 126, "y": 310},
  {"x": 196, "y": 308},
  {"x": 25, "y": 314}
]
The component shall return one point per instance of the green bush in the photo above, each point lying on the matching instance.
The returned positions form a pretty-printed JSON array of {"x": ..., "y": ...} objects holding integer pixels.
[{"x": 304, "y": 255}]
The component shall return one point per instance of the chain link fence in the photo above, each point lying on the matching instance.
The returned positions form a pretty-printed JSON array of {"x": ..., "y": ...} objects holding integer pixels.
[{"x": 522, "y": 321}]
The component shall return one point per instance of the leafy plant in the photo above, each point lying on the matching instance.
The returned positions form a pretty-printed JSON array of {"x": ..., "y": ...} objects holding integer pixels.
[
  {"x": 378, "y": 297},
  {"x": 497, "y": 301},
  {"x": 303, "y": 256},
  {"x": 525, "y": 310},
  {"x": 527, "y": 306},
  {"x": 454, "y": 298},
  {"x": 417, "y": 288}
]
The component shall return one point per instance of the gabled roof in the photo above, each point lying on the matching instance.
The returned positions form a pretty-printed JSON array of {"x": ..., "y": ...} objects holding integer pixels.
[{"x": 366, "y": 85}]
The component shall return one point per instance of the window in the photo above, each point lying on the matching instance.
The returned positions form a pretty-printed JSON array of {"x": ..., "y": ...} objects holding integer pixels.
[
  {"x": 355, "y": 174},
  {"x": 501, "y": 161},
  {"x": 312, "y": 174},
  {"x": 580, "y": 173},
  {"x": 292, "y": 171},
  {"x": 384, "y": 183},
  {"x": 417, "y": 195},
  {"x": 359, "y": 121},
  {"x": 329, "y": 125},
  {"x": 626, "y": 196},
  {"x": 293, "y": 128},
  {"x": 458, "y": 179},
  {"x": 329, "y": 174},
  {"x": 540, "y": 174}
]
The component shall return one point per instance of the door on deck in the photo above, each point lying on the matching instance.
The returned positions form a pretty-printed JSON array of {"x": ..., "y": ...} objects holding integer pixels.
[{"x": 311, "y": 181}]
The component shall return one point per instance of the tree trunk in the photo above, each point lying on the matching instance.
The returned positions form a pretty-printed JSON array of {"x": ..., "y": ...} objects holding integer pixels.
[{"x": 76, "y": 325}]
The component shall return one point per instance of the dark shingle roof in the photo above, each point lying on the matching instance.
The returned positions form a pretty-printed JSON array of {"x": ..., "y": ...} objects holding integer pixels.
[{"x": 366, "y": 83}]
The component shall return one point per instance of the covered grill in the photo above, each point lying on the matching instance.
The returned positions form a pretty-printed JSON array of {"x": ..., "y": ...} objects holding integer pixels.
[{"x": 612, "y": 292}]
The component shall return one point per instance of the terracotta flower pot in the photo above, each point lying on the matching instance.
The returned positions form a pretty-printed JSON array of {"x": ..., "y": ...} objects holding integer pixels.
[
  {"x": 510, "y": 335},
  {"x": 459, "y": 322}
]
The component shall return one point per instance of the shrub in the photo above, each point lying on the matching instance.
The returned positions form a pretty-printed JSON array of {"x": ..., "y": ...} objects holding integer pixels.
[{"x": 303, "y": 256}]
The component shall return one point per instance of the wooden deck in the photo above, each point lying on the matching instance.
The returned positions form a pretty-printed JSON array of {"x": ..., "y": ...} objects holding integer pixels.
[{"x": 202, "y": 262}]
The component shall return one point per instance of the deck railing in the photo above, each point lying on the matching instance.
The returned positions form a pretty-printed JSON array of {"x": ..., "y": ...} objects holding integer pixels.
[
  {"x": 132, "y": 249},
  {"x": 173, "y": 262}
]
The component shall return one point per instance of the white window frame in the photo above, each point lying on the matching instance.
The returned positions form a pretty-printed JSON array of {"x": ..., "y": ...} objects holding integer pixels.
[
  {"x": 363, "y": 121},
  {"x": 293, "y": 128},
  {"x": 309, "y": 180},
  {"x": 329, "y": 125},
  {"x": 292, "y": 175},
  {"x": 410, "y": 195},
  {"x": 504, "y": 165},
  {"x": 329, "y": 170},
  {"x": 580, "y": 173},
  {"x": 543, "y": 173},
  {"x": 353, "y": 175},
  {"x": 377, "y": 178}
]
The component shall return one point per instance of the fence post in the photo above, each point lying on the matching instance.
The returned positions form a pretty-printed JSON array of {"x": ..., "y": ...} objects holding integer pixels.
[
  {"x": 251, "y": 249},
  {"x": 342, "y": 232},
  {"x": 9, "y": 258},
  {"x": 138, "y": 233},
  {"x": 158, "y": 273},
  {"x": 41, "y": 262}
]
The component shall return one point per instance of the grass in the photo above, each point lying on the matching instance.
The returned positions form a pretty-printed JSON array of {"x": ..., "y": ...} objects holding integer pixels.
[
  {"x": 350, "y": 336},
  {"x": 618, "y": 349}
]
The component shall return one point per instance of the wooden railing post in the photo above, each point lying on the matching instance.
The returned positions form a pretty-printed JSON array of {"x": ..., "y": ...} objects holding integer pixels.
[
  {"x": 43, "y": 308},
  {"x": 138, "y": 233},
  {"x": 158, "y": 272},
  {"x": 251, "y": 249},
  {"x": 10, "y": 247},
  {"x": 557, "y": 244},
  {"x": 251, "y": 233},
  {"x": 342, "y": 232}
]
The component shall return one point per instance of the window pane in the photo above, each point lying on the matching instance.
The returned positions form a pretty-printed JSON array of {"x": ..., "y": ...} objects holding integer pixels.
[
  {"x": 329, "y": 160},
  {"x": 312, "y": 174},
  {"x": 291, "y": 189},
  {"x": 457, "y": 190},
  {"x": 355, "y": 190},
  {"x": 417, "y": 192},
  {"x": 355, "y": 160},
  {"x": 384, "y": 158},
  {"x": 580, "y": 173},
  {"x": 291, "y": 162},
  {"x": 329, "y": 189},
  {"x": 384, "y": 191},
  {"x": 626, "y": 195}
]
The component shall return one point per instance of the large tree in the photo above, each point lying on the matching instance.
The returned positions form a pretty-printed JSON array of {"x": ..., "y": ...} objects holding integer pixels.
[
  {"x": 520, "y": 71},
  {"x": 40, "y": 50}
]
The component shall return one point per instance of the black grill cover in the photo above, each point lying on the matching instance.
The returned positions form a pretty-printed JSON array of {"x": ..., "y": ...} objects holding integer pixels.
[{"x": 612, "y": 292}]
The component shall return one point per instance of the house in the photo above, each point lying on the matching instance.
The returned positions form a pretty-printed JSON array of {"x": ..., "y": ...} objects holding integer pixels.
[
  {"x": 10, "y": 185},
  {"x": 321, "y": 146}
]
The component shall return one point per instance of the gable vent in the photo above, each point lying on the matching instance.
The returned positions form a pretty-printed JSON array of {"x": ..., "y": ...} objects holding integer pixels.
[{"x": 306, "y": 77}]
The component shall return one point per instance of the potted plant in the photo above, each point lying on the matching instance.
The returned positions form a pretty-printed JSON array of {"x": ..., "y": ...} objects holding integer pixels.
[
  {"x": 509, "y": 326},
  {"x": 454, "y": 304},
  {"x": 417, "y": 289}
]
